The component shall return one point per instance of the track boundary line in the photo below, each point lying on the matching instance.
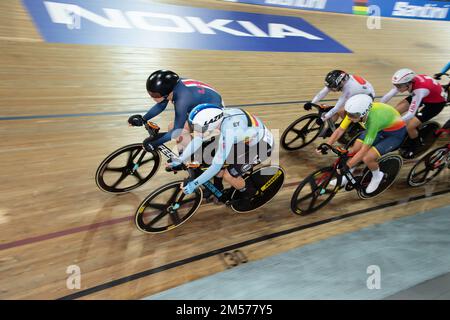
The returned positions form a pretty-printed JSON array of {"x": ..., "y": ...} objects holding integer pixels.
[{"x": 111, "y": 113}]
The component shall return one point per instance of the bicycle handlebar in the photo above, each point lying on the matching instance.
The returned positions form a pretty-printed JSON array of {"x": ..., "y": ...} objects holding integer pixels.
[
  {"x": 324, "y": 147},
  {"x": 152, "y": 128},
  {"x": 180, "y": 167},
  {"x": 319, "y": 107},
  {"x": 189, "y": 167},
  {"x": 439, "y": 77}
]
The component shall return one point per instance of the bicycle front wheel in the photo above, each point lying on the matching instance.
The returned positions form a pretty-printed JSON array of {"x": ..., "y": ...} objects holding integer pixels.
[
  {"x": 301, "y": 132},
  {"x": 315, "y": 191},
  {"x": 428, "y": 167},
  {"x": 167, "y": 208},
  {"x": 126, "y": 169}
]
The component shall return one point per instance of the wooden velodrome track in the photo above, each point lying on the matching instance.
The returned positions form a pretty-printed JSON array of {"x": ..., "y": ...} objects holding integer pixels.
[{"x": 51, "y": 213}]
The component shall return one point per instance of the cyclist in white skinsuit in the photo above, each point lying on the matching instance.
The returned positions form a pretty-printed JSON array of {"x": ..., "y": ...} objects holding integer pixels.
[{"x": 350, "y": 85}]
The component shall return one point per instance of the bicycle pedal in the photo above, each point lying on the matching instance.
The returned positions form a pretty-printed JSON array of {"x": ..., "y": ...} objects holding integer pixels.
[
  {"x": 349, "y": 187},
  {"x": 208, "y": 199}
]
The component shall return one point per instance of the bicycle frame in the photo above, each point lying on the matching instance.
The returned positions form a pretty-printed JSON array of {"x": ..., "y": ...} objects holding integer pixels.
[
  {"x": 445, "y": 157},
  {"x": 445, "y": 131},
  {"x": 329, "y": 123},
  {"x": 153, "y": 129},
  {"x": 166, "y": 151},
  {"x": 195, "y": 170},
  {"x": 343, "y": 156}
]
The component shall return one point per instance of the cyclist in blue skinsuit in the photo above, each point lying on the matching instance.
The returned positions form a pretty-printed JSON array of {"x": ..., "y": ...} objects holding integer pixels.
[
  {"x": 242, "y": 140},
  {"x": 444, "y": 70},
  {"x": 165, "y": 86}
]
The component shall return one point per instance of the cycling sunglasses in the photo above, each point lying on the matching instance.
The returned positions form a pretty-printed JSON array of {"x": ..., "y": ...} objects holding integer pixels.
[
  {"x": 157, "y": 95},
  {"x": 402, "y": 85},
  {"x": 198, "y": 128},
  {"x": 354, "y": 115}
]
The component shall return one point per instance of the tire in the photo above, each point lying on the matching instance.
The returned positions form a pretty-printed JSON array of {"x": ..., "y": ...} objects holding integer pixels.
[
  {"x": 161, "y": 210},
  {"x": 292, "y": 134},
  {"x": 390, "y": 165},
  {"x": 135, "y": 151},
  {"x": 316, "y": 181},
  {"x": 431, "y": 162},
  {"x": 268, "y": 180},
  {"x": 426, "y": 131}
]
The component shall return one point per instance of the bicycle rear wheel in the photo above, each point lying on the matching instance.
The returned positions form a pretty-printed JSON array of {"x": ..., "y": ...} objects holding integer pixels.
[
  {"x": 122, "y": 171},
  {"x": 268, "y": 181},
  {"x": 167, "y": 208},
  {"x": 428, "y": 167},
  {"x": 390, "y": 165},
  {"x": 301, "y": 132},
  {"x": 426, "y": 132},
  {"x": 315, "y": 191}
]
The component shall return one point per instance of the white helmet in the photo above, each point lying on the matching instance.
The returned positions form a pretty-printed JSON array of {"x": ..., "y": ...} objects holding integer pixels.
[
  {"x": 205, "y": 117},
  {"x": 403, "y": 76},
  {"x": 358, "y": 105}
]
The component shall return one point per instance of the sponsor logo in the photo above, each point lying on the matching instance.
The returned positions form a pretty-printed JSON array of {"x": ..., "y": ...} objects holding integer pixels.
[
  {"x": 213, "y": 188},
  {"x": 272, "y": 180},
  {"x": 133, "y": 23},
  {"x": 310, "y": 4},
  {"x": 213, "y": 119},
  {"x": 430, "y": 11},
  {"x": 166, "y": 151},
  {"x": 63, "y": 13},
  {"x": 343, "y": 6}
]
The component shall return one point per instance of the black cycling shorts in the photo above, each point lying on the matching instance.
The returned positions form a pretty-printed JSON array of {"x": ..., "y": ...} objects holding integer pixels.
[{"x": 427, "y": 111}]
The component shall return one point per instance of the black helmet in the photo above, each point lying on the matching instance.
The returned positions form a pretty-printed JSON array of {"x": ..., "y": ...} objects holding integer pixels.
[
  {"x": 161, "y": 83},
  {"x": 335, "y": 79}
]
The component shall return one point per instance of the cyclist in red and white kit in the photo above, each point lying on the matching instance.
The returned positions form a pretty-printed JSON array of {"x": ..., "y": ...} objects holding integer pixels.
[
  {"x": 424, "y": 90},
  {"x": 350, "y": 85}
]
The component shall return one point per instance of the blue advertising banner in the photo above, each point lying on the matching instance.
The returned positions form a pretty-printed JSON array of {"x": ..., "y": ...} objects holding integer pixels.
[
  {"x": 340, "y": 6},
  {"x": 130, "y": 23},
  {"x": 413, "y": 9}
]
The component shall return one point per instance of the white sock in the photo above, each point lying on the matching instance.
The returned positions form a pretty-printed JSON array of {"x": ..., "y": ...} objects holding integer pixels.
[
  {"x": 377, "y": 173},
  {"x": 351, "y": 171}
]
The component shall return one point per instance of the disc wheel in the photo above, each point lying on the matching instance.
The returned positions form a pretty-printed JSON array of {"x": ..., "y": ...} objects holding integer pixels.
[
  {"x": 390, "y": 165},
  {"x": 268, "y": 181}
]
